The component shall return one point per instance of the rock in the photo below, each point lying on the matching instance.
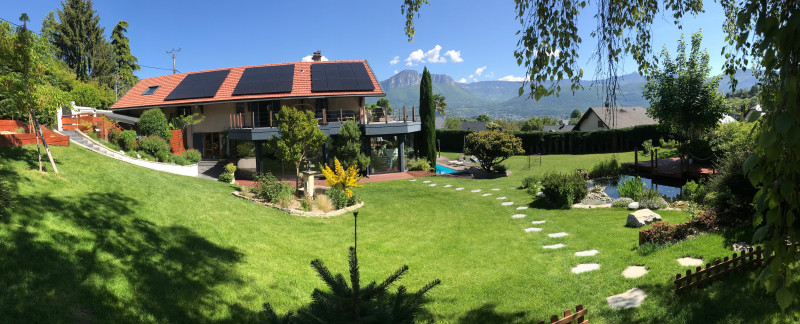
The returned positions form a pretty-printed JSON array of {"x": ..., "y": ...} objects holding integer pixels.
[
  {"x": 486, "y": 194},
  {"x": 459, "y": 188},
  {"x": 448, "y": 186},
  {"x": 633, "y": 206},
  {"x": 533, "y": 229},
  {"x": 476, "y": 190},
  {"x": 641, "y": 217},
  {"x": 432, "y": 185},
  {"x": 584, "y": 267},
  {"x": 426, "y": 181},
  {"x": 560, "y": 234},
  {"x": 501, "y": 198},
  {"x": 518, "y": 216},
  {"x": 537, "y": 222},
  {"x": 690, "y": 262},
  {"x": 508, "y": 203},
  {"x": 741, "y": 246},
  {"x": 587, "y": 253},
  {"x": 632, "y": 272},
  {"x": 522, "y": 208},
  {"x": 628, "y": 299},
  {"x": 554, "y": 246}
]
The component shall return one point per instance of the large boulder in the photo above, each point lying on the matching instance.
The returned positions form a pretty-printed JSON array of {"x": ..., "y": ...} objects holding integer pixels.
[
  {"x": 641, "y": 217},
  {"x": 633, "y": 206}
]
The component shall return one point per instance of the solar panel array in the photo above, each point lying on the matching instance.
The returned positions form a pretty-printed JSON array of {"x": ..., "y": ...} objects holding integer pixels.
[
  {"x": 340, "y": 77},
  {"x": 199, "y": 85},
  {"x": 265, "y": 79}
]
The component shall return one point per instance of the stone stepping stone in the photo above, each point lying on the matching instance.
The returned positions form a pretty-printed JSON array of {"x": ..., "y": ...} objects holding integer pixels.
[
  {"x": 522, "y": 208},
  {"x": 501, "y": 198},
  {"x": 413, "y": 180},
  {"x": 495, "y": 189},
  {"x": 518, "y": 216},
  {"x": 459, "y": 188},
  {"x": 486, "y": 194},
  {"x": 560, "y": 234},
  {"x": 426, "y": 181},
  {"x": 448, "y": 186},
  {"x": 585, "y": 267},
  {"x": 554, "y": 246},
  {"x": 476, "y": 190},
  {"x": 532, "y": 229},
  {"x": 632, "y": 272},
  {"x": 690, "y": 262},
  {"x": 629, "y": 299},
  {"x": 432, "y": 185},
  {"x": 587, "y": 253},
  {"x": 537, "y": 222},
  {"x": 507, "y": 203}
]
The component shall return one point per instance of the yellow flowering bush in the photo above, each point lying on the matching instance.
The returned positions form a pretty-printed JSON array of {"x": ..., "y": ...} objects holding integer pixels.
[{"x": 340, "y": 178}]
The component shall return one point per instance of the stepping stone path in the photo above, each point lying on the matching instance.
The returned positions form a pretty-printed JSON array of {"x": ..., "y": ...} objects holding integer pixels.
[
  {"x": 522, "y": 208},
  {"x": 448, "y": 186},
  {"x": 634, "y": 272},
  {"x": 426, "y": 181},
  {"x": 476, "y": 190},
  {"x": 459, "y": 188},
  {"x": 554, "y": 246},
  {"x": 587, "y": 253},
  {"x": 495, "y": 189},
  {"x": 532, "y": 229},
  {"x": 432, "y": 185},
  {"x": 561, "y": 234},
  {"x": 585, "y": 267},
  {"x": 690, "y": 262},
  {"x": 628, "y": 299},
  {"x": 508, "y": 203},
  {"x": 537, "y": 222},
  {"x": 501, "y": 198},
  {"x": 486, "y": 194},
  {"x": 413, "y": 180},
  {"x": 518, "y": 216}
]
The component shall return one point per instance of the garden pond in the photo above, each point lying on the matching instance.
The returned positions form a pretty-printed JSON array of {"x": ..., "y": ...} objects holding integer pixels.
[{"x": 670, "y": 189}]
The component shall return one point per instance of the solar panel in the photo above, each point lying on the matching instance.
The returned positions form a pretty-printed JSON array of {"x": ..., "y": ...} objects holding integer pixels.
[
  {"x": 340, "y": 77},
  {"x": 199, "y": 85},
  {"x": 265, "y": 79}
]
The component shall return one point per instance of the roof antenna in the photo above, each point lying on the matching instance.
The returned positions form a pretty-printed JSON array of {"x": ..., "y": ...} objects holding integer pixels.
[{"x": 173, "y": 52}]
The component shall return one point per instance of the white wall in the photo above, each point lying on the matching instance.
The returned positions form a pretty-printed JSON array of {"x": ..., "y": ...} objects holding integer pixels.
[{"x": 590, "y": 123}]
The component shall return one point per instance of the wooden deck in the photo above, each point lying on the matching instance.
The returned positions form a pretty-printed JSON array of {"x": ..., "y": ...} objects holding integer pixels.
[{"x": 670, "y": 168}]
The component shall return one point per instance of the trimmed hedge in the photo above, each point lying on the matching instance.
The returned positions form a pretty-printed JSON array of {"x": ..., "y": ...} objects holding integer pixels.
[{"x": 577, "y": 142}]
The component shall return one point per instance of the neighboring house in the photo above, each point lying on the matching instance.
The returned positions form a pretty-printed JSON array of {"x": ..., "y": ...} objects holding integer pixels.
[
  {"x": 240, "y": 104},
  {"x": 726, "y": 119},
  {"x": 558, "y": 128},
  {"x": 473, "y": 126},
  {"x": 755, "y": 110},
  {"x": 597, "y": 118},
  {"x": 439, "y": 122}
]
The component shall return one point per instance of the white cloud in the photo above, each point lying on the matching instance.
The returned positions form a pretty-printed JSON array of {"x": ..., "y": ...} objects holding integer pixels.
[
  {"x": 395, "y": 72},
  {"x": 394, "y": 60},
  {"x": 462, "y": 80},
  {"x": 308, "y": 58},
  {"x": 555, "y": 53},
  {"x": 454, "y": 56},
  {"x": 433, "y": 55},
  {"x": 512, "y": 78},
  {"x": 480, "y": 70},
  {"x": 415, "y": 57}
]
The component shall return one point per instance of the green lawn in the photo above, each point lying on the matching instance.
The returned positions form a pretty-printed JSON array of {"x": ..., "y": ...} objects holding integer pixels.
[{"x": 106, "y": 241}]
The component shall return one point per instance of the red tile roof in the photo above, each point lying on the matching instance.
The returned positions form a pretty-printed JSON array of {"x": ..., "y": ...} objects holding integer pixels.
[{"x": 301, "y": 88}]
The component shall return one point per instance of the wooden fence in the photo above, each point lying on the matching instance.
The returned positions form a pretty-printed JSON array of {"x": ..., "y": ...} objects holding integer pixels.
[
  {"x": 750, "y": 259},
  {"x": 580, "y": 312}
]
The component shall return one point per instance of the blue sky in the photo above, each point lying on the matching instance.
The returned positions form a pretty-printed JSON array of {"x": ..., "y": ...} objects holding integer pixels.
[{"x": 469, "y": 40}]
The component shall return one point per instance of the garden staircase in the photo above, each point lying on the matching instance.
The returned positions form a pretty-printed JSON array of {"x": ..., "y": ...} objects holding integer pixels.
[
  {"x": 210, "y": 169},
  {"x": 89, "y": 144}
]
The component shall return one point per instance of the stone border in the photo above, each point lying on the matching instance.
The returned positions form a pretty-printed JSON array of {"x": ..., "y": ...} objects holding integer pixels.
[{"x": 300, "y": 212}]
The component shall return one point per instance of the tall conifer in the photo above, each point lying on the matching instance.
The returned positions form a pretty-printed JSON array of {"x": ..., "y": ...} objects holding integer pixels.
[{"x": 427, "y": 145}]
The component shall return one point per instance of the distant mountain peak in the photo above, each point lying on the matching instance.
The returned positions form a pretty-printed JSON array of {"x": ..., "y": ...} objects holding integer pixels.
[{"x": 407, "y": 78}]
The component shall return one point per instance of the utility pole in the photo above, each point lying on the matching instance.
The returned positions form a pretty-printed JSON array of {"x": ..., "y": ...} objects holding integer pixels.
[{"x": 173, "y": 52}]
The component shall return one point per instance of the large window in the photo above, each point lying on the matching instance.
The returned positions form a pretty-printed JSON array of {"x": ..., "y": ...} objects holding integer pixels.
[
  {"x": 261, "y": 111},
  {"x": 384, "y": 153}
]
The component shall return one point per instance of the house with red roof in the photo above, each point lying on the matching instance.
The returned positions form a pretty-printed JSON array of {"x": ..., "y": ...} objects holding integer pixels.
[{"x": 240, "y": 103}]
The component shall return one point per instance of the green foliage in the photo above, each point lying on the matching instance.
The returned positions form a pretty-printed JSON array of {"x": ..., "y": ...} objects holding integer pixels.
[
  {"x": 562, "y": 190},
  {"x": 299, "y": 137},
  {"x": 621, "y": 202},
  {"x": 79, "y": 37},
  {"x": 163, "y": 156},
  {"x": 181, "y": 122},
  {"x": 153, "y": 122},
  {"x": 499, "y": 168},
  {"x": 384, "y": 103},
  {"x": 694, "y": 191},
  {"x": 245, "y": 150},
  {"x": 153, "y": 144},
  {"x": 440, "y": 102},
  {"x": 347, "y": 146},
  {"x": 732, "y": 137},
  {"x": 529, "y": 182},
  {"x": 632, "y": 187},
  {"x": 666, "y": 233},
  {"x": 427, "y": 137},
  {"x": 305, "y": 204},
  {"x": 338, "y": 197},
  {"x": 417, "y": 164},
  {"x": 230, "y": 168},
  {"x": 452, "y": 123},
  {"x": 576, "y": 114},
  {"x": 605, "y": 169},
  {"x": 7, "y": 197},
  {"x": 180, "y": 160},
  {"x": 491, "y": 148},
  {"x": 125, "y": 62},
  {"x": 192, "y": 155},
  {"x": 272, "y": 190},
  {"x": 92, "y": 95},
  {"x": 127, "y": 140},
  {"x": 356, "y": 302},
  {"x": 483, "y": 118},
  {"x": 732, "y": 193}
]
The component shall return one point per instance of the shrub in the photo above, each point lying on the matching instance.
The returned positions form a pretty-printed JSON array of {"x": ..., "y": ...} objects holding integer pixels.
[
  {"x": 662, "y": 233},
  {"x": 564, "y": 189},
  {"x": 113, "y": 136},
  {"x": 305, "y": 204},
  {"x": 730, "y": 193},
  {"x": 192, "y": 155},
  {"x": 93, "y": 136},
  {"x": 605, "y": 169},
  {"x": 621, "y": 202},
  {"x": 492, "y": 148},
  {"x": 323, "y": 203},
  {"x": 653, "y": 203},
  {"x": 416, "y": 164},
  {"x": 647, "y": 146},
  {"x": 499, "y": 168},
  {"x": 354, "y": 199},
  {"x": 705, "y": 221},
  {"x": 164, "y": 156},
  {"x": 153, "y": 122},
  {"x": 226, "y": 177},
  {"x": 272, "y": 190},
  {"x": 20, "y": 130},
  {"x": 529, "y": 181},
  {"x": 340, "y": 178},
  {"x": 127, "y": 139},
  {"x": 338, "y": 197},
  {"x": 632, "y": 188},
  {"x": 153, "y": 144},
  {"x": 180, "y": 160},
  {"x": 694, "y": 192},
  {"x": 230, "y": 168}
]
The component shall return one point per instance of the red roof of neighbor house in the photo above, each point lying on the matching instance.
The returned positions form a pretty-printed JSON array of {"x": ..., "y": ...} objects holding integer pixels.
[{"x": 301, "y": 87}]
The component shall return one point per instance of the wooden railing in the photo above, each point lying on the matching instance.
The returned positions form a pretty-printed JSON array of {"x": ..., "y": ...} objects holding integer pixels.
[
  {"x": 323, "y": 116},
  {"x": 750, "y": 259},
  {"x": 580, "y": 312}
]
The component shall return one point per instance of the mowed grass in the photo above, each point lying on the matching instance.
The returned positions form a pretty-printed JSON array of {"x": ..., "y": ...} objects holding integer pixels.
[{"x": 106, "y": 241}]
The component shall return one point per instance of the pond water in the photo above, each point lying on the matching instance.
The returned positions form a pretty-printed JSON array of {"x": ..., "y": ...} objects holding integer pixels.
[{"x": 669, "y": 188}]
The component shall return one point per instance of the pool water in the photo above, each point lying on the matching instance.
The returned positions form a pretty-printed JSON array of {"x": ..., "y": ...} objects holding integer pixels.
[
  {"x": 444, "y": 170},
  {"x": 669, "y": 189}
]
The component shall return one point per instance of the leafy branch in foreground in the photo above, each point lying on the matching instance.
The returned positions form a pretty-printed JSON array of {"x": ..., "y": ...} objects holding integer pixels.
[{"x": 356, "y": 304}]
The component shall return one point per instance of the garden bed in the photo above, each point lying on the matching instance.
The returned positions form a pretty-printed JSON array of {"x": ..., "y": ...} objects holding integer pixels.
[{"x": 297, "y": 211}]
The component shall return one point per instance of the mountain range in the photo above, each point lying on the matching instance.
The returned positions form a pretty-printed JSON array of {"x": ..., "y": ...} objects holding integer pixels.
[{"x": 500, "y": 99}]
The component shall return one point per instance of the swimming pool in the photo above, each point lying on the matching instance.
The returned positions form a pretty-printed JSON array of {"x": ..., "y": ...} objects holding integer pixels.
[{"x": 444, "y": 170}]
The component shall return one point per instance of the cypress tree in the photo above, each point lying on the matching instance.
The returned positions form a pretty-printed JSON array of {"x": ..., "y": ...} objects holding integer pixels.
[{"x": 427, "y": 144}]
